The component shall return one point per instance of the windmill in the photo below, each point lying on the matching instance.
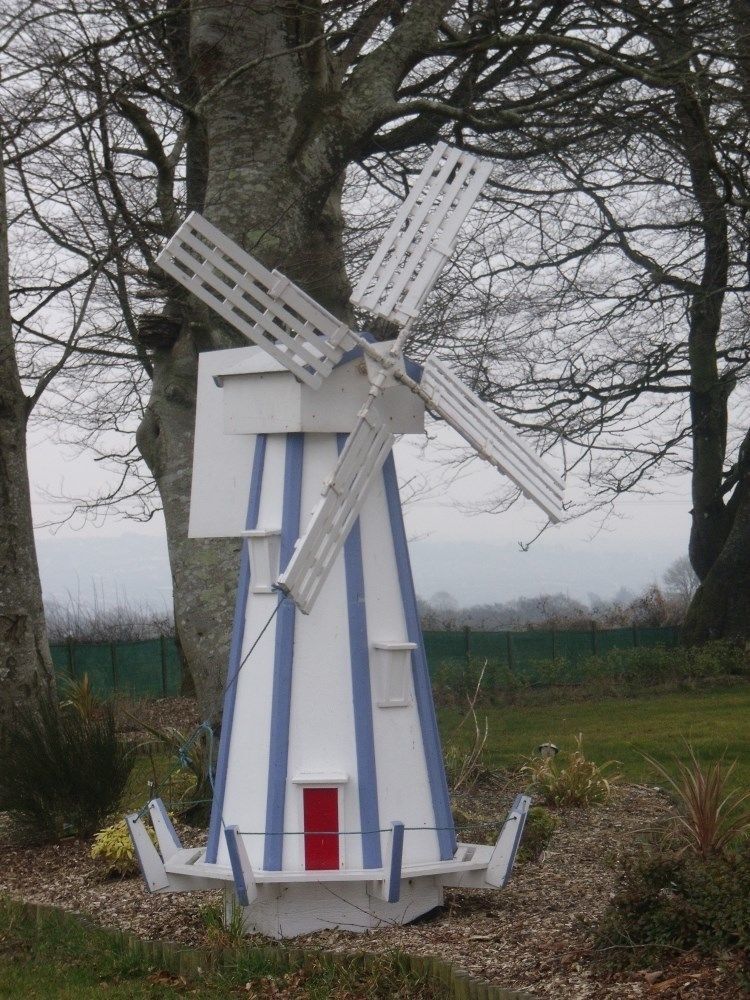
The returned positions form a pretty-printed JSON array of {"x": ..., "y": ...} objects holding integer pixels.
[{"x": 331, "y": 805}]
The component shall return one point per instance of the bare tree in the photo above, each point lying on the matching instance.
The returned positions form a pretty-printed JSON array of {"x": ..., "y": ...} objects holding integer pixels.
[
  {"x": 254, "y": 113},
  {"x": 623, "y": 256},
  {"x": 41, "y": 281},
  {"x": 609, "y": 267},
  {"x": 681, "y": 581},
  {"x": 25, "y": 662}
]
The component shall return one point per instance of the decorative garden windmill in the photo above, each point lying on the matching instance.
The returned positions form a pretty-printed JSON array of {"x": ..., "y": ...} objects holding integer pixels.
[{"x": 331, "y": 805}]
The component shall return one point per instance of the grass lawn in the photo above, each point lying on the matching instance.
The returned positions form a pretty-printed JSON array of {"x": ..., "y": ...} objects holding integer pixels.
[
  {"x": 715, "y": 722},
  {"x": 62, "y": 959},
  {"x": 161, "y": 768},
  {"x": 69, "y": 963}
]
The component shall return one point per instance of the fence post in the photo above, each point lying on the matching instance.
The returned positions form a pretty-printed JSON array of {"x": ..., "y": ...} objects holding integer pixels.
[
  {"x": 467, "y": 641},
  {"x": 163, "y": 644},
  {"x": 509, "y": 640},
  {"x": 113, "y": 657},
  {"x": 635, "y": 637},
  {"x": 594, "y": 639},
  {"x": 71, "y": 658},
  {"x": 554, "y": 643}
]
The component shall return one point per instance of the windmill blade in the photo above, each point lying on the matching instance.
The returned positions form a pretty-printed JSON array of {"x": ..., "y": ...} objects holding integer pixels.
[
  {"x": 421, "y": 238},
  {"x": 361, "y": 459},
  {"x": 495, "y": 440},
  {"x": 266, "y": 307}
]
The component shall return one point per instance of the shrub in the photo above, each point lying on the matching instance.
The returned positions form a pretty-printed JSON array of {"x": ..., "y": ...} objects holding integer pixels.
[
  {"x": 113, "y": 849},
  {"x": 62, "y": 774},
  {"x": 465, "y": 766},
  {"x": 657, "y": 666},
  {"x": 669, "y": 904},
  {"x": 569, "y": 779},
  {"x": 540, "y": 826},
  {"x": 223, "y": 922},
  {"x": 711, "y": 815},
  {"x": 615, "y": 672}
]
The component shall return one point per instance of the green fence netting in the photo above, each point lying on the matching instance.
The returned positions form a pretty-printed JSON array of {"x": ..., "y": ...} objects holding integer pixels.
[
  {"x": 152, "y": 667},
  {"x": 533, "y": 657},
  {"x": 146, "y": 668}
]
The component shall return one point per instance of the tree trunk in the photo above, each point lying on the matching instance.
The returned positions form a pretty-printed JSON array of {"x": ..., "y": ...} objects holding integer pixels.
[
  {"x": 203, "y": 570},
  {"x": 281, "y": 203},
  {"x": 721, "y": 606},
  {"x": 25, "y": 662},
  {"x": 719, "y": 551}
]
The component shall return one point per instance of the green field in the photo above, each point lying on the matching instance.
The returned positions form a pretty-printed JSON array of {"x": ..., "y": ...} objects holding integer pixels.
[{"x": 715, "y": 722}]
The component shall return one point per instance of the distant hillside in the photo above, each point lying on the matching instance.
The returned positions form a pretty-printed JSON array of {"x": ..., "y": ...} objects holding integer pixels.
[{"x": 135, "y": 567}]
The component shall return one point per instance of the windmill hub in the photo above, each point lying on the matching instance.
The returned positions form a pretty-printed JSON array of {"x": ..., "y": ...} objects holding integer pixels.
[{"x": 331, "y": 806}]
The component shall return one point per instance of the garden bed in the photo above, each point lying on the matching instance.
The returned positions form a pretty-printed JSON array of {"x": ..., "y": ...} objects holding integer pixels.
[{"x": 532, "y": 936}]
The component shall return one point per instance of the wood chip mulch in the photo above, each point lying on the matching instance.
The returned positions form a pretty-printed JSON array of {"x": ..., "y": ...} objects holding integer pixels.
[{"x": 533, "y": 936}]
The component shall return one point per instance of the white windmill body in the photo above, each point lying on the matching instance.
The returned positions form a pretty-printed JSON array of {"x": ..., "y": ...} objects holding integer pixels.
[{"x": 331, "y": 805}]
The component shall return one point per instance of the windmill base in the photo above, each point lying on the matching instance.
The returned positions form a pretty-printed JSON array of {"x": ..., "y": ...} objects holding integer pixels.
[
  {"x": 285, "y": 911},
  {"x": 285, "y": 904}
]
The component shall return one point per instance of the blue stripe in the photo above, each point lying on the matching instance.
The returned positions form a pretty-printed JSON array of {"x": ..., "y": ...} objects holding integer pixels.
[
  {"x": 359, "y": 654},
  {"x": 281, "y": 703},
  {"x": 235, "y": 653},
  {"x": 397, "y": 854},
  {"x": 422, "y": 687},
  {"x": 240, "y": 886}
]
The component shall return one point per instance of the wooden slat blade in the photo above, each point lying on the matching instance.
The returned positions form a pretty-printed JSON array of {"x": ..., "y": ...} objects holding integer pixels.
[
  {"x": 268, "y": 308},
  {"x": 361, "y": 459},
  {"x": 494, "y": 439},
  {"x": 418, "y": 243}
]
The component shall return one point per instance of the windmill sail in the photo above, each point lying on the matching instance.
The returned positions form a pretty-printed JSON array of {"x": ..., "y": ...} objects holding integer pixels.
[
  {"x": 268, "y": 308},
  {"x": 361, "y": 459},
  {"x": 421, "y": 238},
  {"x": 491, "y": 437}
]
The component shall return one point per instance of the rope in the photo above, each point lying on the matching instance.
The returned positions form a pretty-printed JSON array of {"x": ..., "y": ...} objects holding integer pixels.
[
  {"x": 358, "y": 833},
  {"x": 271, "y": 617}
]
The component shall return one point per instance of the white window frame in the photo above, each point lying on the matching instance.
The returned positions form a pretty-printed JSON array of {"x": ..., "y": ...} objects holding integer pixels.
[
  {"x": 265, "y": 553},
  {"x": 391, "y": 672}
]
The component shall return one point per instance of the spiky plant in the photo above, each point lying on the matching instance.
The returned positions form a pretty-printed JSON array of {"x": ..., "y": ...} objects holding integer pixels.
[
  {"x": 711, "y": 814},
  {"x": 570, "y": 779},
  {"x": 81, "y": 697}
]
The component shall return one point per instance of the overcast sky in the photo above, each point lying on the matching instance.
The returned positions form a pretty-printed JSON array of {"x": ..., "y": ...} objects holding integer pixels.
[{"x": 477, "y": 558}]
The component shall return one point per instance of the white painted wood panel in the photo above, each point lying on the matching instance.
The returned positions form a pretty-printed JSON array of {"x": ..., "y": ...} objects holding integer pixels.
[
  {"x": 422, "y": 235},
  {"x": 247, "y": 772},
  {"x": 275, "y": 402},
  {"x": 403, "y": 784},
  {"x": 221, "y": 463},
  {"x": 322, "y": 718}
]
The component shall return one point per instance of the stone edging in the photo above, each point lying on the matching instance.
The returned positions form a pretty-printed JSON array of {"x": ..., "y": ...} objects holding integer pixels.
[{"x": 189, "y": 962}]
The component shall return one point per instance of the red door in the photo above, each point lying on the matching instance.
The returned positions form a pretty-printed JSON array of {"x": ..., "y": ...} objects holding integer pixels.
[{"x": 321, "y": 812}]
